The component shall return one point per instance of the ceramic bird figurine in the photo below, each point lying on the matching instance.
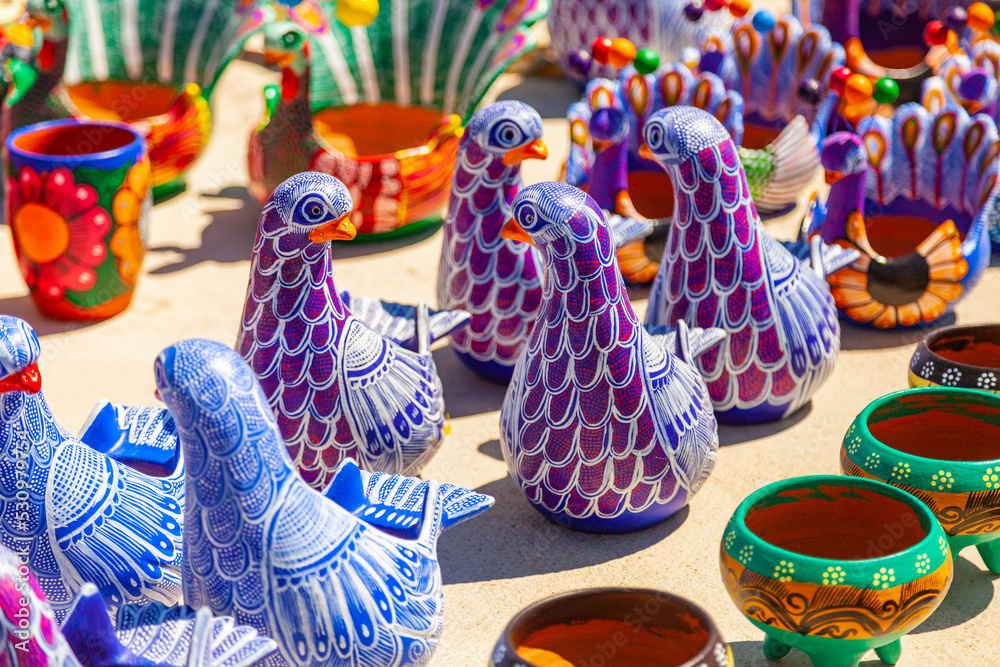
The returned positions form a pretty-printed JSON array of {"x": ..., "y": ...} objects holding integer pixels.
[
  {"x": 87, "y": 517},
  {"x": 603, "y": 428},
  {"x": 721, "y": 269},
  {"x": 915, "y": 197},
  {"x": 262, "y": 545},
  {"x": 398, "y": 321},
  {"x": 338, "y": 387},
  {"x": 497, "y": 280}
]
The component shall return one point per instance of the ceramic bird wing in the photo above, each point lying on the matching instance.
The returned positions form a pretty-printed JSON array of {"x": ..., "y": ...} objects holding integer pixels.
[{"x": 144, "y": 438}]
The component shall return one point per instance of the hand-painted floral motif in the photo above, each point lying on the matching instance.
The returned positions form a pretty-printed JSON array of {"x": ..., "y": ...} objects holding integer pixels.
[
  {"x": 59, "y": 229},
  {"x": 127, "y": 242}
]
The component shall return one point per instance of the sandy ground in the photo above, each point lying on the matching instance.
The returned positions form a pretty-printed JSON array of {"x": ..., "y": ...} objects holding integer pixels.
[{"x": 193, "y": 284}]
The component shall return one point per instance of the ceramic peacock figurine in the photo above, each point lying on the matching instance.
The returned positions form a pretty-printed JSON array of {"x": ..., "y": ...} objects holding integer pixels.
[
  {"x": 605, "y": 427},
  {"x": 151, "y": 64},
  {"x": 722, "y": 269},
  {"x": 420, "y": 68},
  {"x": 916, "y": 195},
  {"x": 658, "y": 24}
]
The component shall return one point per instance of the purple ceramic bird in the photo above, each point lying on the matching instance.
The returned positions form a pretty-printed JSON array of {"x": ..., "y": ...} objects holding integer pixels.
[
  {"x": 497, "y": 280},
  {"x": 603, "y": 428},
  {"x": 339, "y": 388},
  {"x": 721, "y": 269}
]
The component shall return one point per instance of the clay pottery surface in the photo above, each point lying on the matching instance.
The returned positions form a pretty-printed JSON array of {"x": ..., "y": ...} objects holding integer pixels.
[
  {"x": 943, "y": 446},
  {"x": 959, "y": 356},
  {"x": 834, "y": 566},
  {"x": 78, "y": 203},
  {"x": 624, "y": 627}
]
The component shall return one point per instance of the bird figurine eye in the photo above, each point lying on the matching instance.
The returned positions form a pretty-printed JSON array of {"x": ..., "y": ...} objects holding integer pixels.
[
  {"x": 526, "y": 216},
  {"x": 507, "y": 134},
  {"x": 313, "y": 210},
  {"x": 654, "y": 137},
  {"x": 291, "y": 39}
]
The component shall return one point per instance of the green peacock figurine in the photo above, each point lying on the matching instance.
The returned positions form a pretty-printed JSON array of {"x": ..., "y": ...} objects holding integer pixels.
[{"x": 420, "y": 68}]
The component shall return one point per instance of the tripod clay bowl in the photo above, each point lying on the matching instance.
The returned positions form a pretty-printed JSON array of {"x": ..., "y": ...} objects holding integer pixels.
[
  {"x": 834, "y": 566},
  {"x": 943, "y": 446},
  {"x": 967, "y": 357},
  {"x": 624, "y": 627}
]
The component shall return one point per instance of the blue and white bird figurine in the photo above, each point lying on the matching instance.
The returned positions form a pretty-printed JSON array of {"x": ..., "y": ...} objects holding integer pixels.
[
  {"x": 497, "y": 280},
  {"x": 721, "y": 269},
  {"x": 339, "y": 388},
  {"x": 263, "y": 546},
  {"x": 605, "y": 428},
  {"x": 72, "y": 513}
]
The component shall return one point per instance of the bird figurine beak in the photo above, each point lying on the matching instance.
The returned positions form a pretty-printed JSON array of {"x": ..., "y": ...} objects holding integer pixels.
[
  {"x": 536, "y": 150},
  {"x": 645, "y": 152},
  {"x": 338, "y": 230},
  {"x": 29, "y": 380},
  {"x": 832, "y": 176},
  {"x": 600, "y": 146},
  {"x": 39, "y": 22},
  {"x": 515, "y": 232},
  {"x": 278, "y": 58}
]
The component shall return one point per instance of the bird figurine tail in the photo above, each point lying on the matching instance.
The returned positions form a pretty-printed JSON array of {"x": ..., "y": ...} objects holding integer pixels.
[{"x": 795, "y": 158}]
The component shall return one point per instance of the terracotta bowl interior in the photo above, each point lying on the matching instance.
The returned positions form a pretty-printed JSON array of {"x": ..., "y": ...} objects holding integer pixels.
[
  {"x": 757, "y": 136},
  {"x": 122, "y": 100},
  {"x": 74, "y": 140},
  {"x": 362, "y": 129},
  {"x": 642, "y": 628},
  {"x": 941, "y": 426},
  {"x": 972, "y": 346},
  {"x": 652, "y": 193},
  {"x": 891, "y": 40},
  {"x": 822, "y": 521}
]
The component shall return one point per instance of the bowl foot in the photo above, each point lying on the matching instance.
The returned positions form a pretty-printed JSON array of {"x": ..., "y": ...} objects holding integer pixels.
[
  {"x": 775, "y": 650},
  {"x": 990, "y": 552},
  {"x": 889, "y": 654}
]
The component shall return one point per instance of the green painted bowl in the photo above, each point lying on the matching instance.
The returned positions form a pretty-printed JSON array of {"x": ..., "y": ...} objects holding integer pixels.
[
  {"x": 834, "y": 566},
  {"x": 943, "y": 446}
]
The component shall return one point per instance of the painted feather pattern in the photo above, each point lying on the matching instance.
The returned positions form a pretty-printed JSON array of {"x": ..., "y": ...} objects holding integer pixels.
[
  {"x": 721, "y": 269},
  {"x": 601, "y": 428}
]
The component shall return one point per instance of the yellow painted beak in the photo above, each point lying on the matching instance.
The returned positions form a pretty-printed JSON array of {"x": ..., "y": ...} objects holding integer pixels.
[
  {"x": 278, "y": 58},
  {"x": 645, "y": 152},
  {"x": 536, "y": 150},
  {"x": 832, "y": 176},
  {"x": 515, "y": 232},
  {"x": 338, "y": 230}
]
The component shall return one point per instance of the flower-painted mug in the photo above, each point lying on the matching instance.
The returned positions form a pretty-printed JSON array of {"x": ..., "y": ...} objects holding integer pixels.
[{"x": 78, "y": 201}]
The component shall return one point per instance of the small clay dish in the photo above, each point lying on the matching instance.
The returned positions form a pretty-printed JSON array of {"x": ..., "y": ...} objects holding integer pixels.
[
  {"x": 966, "y": 357},
  {"x": 834, "y": 566},
  {"x": 943, "y": 446},
  {"x": 614, "y": 627}
]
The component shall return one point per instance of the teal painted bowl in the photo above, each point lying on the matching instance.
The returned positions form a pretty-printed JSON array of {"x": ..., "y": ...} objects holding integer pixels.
[
  {"x": 834, "y": 566},
  {"x": 942, "y": 445}
]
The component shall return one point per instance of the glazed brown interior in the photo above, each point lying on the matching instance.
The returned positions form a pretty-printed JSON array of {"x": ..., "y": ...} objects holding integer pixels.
[
  {"x": 638, "y": 628},
  {"x": 824, "y": 522},
  {"x": 375, "y": 129},
  {"x": 121, "y": 100},
  {"x": 938, "y": 426},
  {"x": 897, "y": 235},
  {"x": 83, "y": 139},
  {"x": 757, "y": 136},
  {"x": 897, "y": 57},
  {"x": 652, "y": 193},
  {"x": 973, "y": 346}
]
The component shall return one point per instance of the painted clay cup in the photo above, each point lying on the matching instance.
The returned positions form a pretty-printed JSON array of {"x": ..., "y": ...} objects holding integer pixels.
[
  {"x": 943, "y": 446},
  {"x": 834, "y": 566},
  {"x": 958, "y": 356},
  {"x": 611, "y": 626},
  {"x": 78, "y": 201}
]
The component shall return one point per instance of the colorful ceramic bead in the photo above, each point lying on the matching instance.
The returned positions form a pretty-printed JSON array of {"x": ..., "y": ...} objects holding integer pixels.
[
  {"x": 942, "y": 445},
  {"x": 640, "y": 626},
  {"x": 646, "y": 61},
  {"x": 763, "y": 20},
  {"x": 886, "y": 91},
  {"x": 722, "y": 269},
  {"x": 981, "y": 17},
  {"x": 739, "y": 8},
  {"x": 834, "y": 566},
  {"x": 601, "y": 49},
  {"x": 858, "y": 89},
  {"x": 935, "y": 33},
  {"x": 582, "y": 408},
  {"x": 621, "y": 53}
]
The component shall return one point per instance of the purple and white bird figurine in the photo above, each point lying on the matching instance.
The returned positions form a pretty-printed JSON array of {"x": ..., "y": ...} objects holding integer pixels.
[
  {"x": 722, "y": 269},
  {"x": 497, "y": 280},
  {"x": 75, "y": 514},
  {"x": 339, "y": 387},
  {"x": 604, "y": 428}
]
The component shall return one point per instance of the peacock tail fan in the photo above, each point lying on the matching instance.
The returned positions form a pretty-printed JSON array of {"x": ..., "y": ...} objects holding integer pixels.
[
  {"x": 170, "y": 42},
  {"x": 438, "y": 54}
]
